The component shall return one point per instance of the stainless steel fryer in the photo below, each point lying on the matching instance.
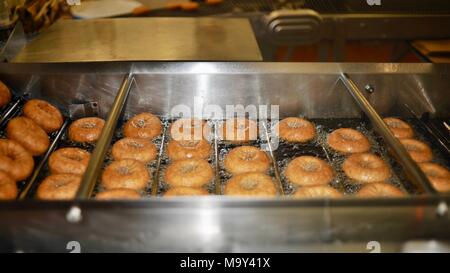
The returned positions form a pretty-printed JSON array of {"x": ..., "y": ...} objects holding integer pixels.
[{"x": 329, "y": 94}]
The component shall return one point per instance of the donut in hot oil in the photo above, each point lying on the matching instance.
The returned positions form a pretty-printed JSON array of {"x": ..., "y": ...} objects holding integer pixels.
[
  {"x": 44, "y": 114},
  {"x": 28, "y": 134},
  {"x": 15, "y": 160},
  {"x": 86, "y": 130}
]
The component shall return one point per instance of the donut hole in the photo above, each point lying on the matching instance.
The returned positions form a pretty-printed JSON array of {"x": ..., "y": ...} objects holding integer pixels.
[
  {"x": 295, "y": 124},
  {"x": 74, "y": 157},
  {"x": 412, "y": 148},
  {"x": 188, "y": 168},
  {"x": 247, "y": 155},
  {"x": 88, "y": 125},
  {"x": 368, "y": 164},
  {"x": 310, "y": 166},
  {"x": 249, "y": 184},
  {"x": 349, "y": 137},
  {"x": 189, "y": 143},
  {"x": 140, "y": 123},
  {"x": 122, "y": 170},
  {"x": 396, "y": 124},
  {"x": 135, "y": 145}
]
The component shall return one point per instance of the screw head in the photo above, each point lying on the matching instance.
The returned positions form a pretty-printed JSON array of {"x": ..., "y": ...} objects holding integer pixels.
[{"x": 369, "y": 88}]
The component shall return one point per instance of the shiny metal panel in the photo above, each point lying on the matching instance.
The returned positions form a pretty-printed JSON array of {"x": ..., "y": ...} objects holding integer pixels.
[{"x": 144, "y": 39}]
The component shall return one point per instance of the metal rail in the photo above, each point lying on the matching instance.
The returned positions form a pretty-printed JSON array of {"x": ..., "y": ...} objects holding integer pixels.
[
  {"x": 155, "y": 182},
  {"x": 10, "y": 111},
  {"x": 273, "y": 159},
  {"x": 218, "y": 181},
  {"x": 413, "y": 171},
  {"x": 37, "y": 170},
  {"x": 97, "y": 159}
]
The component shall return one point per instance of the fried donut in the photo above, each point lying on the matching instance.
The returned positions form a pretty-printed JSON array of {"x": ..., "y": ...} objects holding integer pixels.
[
  {"x": 118, "y": 194},
  {"x": 69, "y": 160},
  {"x": 190, "y": 129},
  {"x": 251, "y": 184},
  {"x": 185, "y": 191},
  {"x": 143, "y": 125},
  {"x": 59, "y": 187},
  {"x": 246, "y": 159},
  {"x": 5, "y": 95},
  {"x": 346, "y": 140},
  {"x": 126, "y": 173},
  {"x": 320, "y": 191},
  {"x": 438, "y": 175},
  {"x": 44, "y": 114},
  {"x": 366, "y": 168},
  {"x": 28, "y": 134},
  {"x": 15, "y": 160},
  {"x": 379, "y": 189},
  {"x": 399, "y": 128},
  {"x": 134, "y": 148},
  {"x": 189, "y": 173},
  {"x": 86, "y": 129},
  {"x": 308, "y": 171},
  {"x": 239, "y": 130},
  {"x": 200, "y": 149},
  {"x": 294, "y": 129},
  {"x": 8, "y": 187},
  {"x": 419, "y": 151}
]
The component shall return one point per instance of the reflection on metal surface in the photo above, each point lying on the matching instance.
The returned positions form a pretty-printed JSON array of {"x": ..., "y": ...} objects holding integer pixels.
[{"x": 144, "y": 39}]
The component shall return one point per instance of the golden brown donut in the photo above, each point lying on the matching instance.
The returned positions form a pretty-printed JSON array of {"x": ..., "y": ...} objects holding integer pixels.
[
  {"x": 5, "y": 95},
  {"x": 419, "y": 151},
  {"x": 69, "y": 160},
  {"x": 185, "y": 191},
  {"x": 143, "y": 125},
  {"x": 200, "y": 149},
  {"x": 239, "y": 130},
  {"x": 246, "y": 159},
  {"x": 118, "y": 194},
  {"x": 399, "y": 128},
  {"x": 294, "y": 129},
  {"x": 44, "y": 114},
  {"x": 86, "y": 129},
  {"x": 134, "y": 148},
  {"x": 8, "y": 187},
  {"x": 250, "y": 184},
  {"x": 15, "y": 160},
  {"x": 126, "y": 173},
  {"x": 379, "y": 189},
  {"x": 320, "y": 191},
  {"x": 366, "y": 168},
  {"x": 190, "y": 129},
  {"x": 59, "y": 187},
  {"x": 438, "y": 175},
  {"x": 189, "y": 173},
  {"x": 309, "y": 171},
  {"x": 347, "y": 141},
  {"x": 28, "y": 134}
]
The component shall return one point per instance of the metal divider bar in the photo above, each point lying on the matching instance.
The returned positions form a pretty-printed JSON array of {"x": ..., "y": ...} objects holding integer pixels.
[
  {"x": 155, "y": 181},
  {"x": 37, "y": 170},
  {"x": 412, "y": 170},
  {"x": 10, "y": 111},
  {"x": 218, "y": 182},
  {"x": 273, "y": 159},
  {"x": 98, "y": 155}
]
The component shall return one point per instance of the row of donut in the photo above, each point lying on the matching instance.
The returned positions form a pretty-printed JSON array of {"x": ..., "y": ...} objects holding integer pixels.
[
  {"x": 189, "y": 171},
  {"x": 420, "y": 152},
  {"x": 127, "y": 176},
  {"x": 27, "y": 136}
]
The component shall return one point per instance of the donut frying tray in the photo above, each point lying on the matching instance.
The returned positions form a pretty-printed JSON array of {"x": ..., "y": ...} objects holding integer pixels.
[{"x": 321, "y": 93}]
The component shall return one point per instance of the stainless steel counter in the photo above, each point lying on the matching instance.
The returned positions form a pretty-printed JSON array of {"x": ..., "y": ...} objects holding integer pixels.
[{"x": 144, "y": 39}]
